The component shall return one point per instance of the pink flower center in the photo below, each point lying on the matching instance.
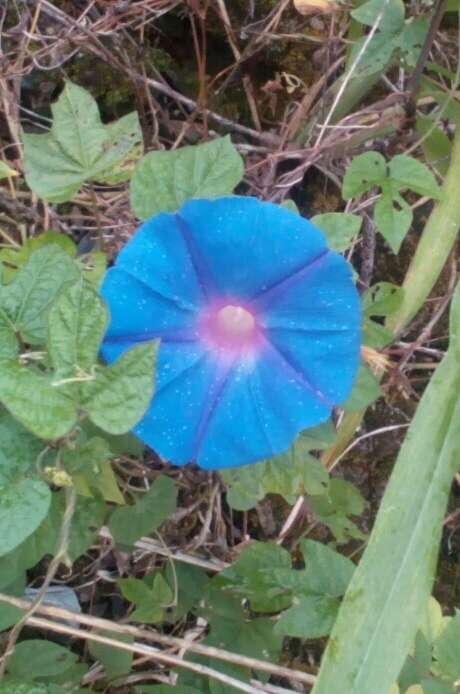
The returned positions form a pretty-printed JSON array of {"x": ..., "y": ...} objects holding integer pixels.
[
  {"x": 234, "y": 323},
  {"x": 231, "y": 327}
]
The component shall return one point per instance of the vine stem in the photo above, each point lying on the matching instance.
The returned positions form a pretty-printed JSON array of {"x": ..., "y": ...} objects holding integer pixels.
[{"x": 60, "y": 556}]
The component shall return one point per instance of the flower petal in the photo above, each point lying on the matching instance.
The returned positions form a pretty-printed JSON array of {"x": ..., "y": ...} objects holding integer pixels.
[
  {"x": 329, "y": 366},
  {"x": 224, "y": 417},
  {"x": 157, "y": 255},
  {"x": 317, "y": 328},
  {"x": 248, "y": 245},
  {"x": 323, "y": 299},
  {"x": 259, "y": 414},
  {"x": 138, "y": 313},
  {"x": 175, "y": 418},
  {"x": 250, "y": 405}
]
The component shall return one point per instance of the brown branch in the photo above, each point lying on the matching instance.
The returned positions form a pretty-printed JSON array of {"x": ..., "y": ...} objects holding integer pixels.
[
  {"x": 59, "y": 613},
  {"x": 414, "y": 80}
]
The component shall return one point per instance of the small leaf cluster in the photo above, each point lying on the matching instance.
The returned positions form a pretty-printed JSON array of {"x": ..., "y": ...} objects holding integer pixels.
[
  {"x": 392, "y": 214},
  {"x": 50, "y": 307},
  {"x": 395, "y": 36},
  {"x": 332, "y": 500},
  {"x": 79, "y": 148},
  {"x": 58, "y": 402},
  {"x": 309, "y": 597},
  {"x": 433, "y": 666}
]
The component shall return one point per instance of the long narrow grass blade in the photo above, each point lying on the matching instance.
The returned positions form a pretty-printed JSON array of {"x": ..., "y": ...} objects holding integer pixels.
[{"x": 386, "y": 599}]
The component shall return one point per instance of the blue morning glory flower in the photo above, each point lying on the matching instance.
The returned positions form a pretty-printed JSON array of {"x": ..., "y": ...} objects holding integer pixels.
[{"x": 259, "y": 321}]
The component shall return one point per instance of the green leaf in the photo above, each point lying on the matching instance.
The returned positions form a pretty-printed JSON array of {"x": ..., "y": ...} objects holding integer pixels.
[
  {"x": 310, "y": 617},
  {"x": 161, "y": 590},
  {"x": 190, "y": 583},
  {"x": 334, "y": 507},
  {"x": 103, "y": 482},
  {"x": 369, "y": 641},
  {"x": 137, "y": 592},
  {"x": 130, "y": 523},
  {"x": 150, "y": 601},
  {"x": 411, "y": 40},
  {"x": 339, "y": 228},
  {"x": 436, "y": 145},
  {"x": 253, "y": 575},
  {"x": 70, "y": 679},
  {"x": 8, "y": 342},
  {"x": 447, "y": 651},
  {"x": 291, "y": 206},
  {"x": 87, "y": 519},
  {"x": 19, "y": 449},
  {"x": 418, "y": 663},
  {"x": 31, "y": 398},
  {"x": 288, "y": 474},
  {"x": 77, "y": 323},
  {"x": 28, "y": 298},
  {"x": 434, "y": 686},
  {"x": 124, "y": 148},
  {"x": 163, "y": 181},
  {"x": 120, "y": 394},
  {"x": 124, "y": 444},
  {"x": 376, "y": 335},
  {"x": 449, "y": 106},
  {"x": 93, "y": 267},
  {"x": 37, "y": 658},
  {"x": 393, "y": 16},
  {"x": 375, "y": 59},
  {"x": 86, "y": 455},
  {"x": 382, "y": 299},
  {"x": 48, "y": 171},
  {"x": 6, "y": 171},
  {"x": 433, "y": 623},
  {"x": 148, "y": 610},
  {"x": 393, "y": 222},
  {"x": 230, "y": 629},
  {"x": 115, "y": 661},
  {"x": 23, "y": 506},
  {"x": 407, "y": 172},
  {"x": 9, "y": 614},
  {"x": 80, "y": 148},
  {"x": 77, "y": 126},
  {"x": 89, "y": 463},
  {"x": 326, "y": 572},
  {"x": 366, "y": 390},
  {"x": 263, "y": 574},
  {"x": 13, "y": 258},
  {"x": 365, "y": 171}
]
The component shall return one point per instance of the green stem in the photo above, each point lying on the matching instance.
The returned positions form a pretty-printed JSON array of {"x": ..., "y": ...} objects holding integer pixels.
[{"x": 434, "y": 247}]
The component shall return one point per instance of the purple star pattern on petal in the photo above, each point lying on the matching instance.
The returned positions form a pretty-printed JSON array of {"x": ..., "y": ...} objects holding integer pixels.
[{"x": 260, "y": 328}]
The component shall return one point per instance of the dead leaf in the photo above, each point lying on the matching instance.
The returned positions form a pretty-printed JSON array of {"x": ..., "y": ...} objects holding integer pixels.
[{"x": 315, "y": 6}]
